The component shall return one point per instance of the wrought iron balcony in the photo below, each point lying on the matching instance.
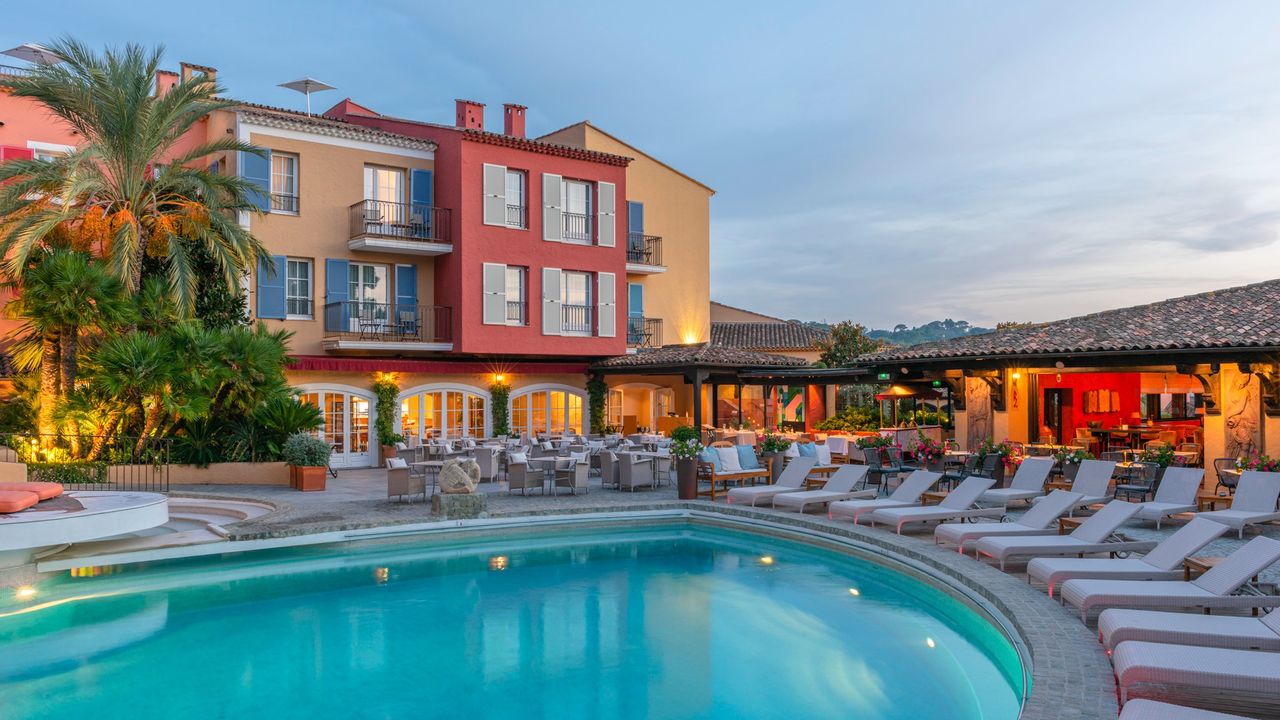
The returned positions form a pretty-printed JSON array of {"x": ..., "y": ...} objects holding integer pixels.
[
  {"x": 400, "y": 227},
  {"x": 516, "y": 313},
  {"x": 643, "y": 332},
  {"x": 516, "y": 216},
  {"x": 280, "y": 202},
  {"x": 577, "y": 227},
  {"x": 575, "y": 319},
  {"x": 354, "y": 324},
  {"x": 644, "y": 253},
  {"x": 14, "y": 70}
]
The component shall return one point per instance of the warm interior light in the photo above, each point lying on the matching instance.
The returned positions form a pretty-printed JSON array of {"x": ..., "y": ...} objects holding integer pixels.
[
  {"x": 766, "y": 560},
  {"x": 26, "y": 592},
  {"x": 854, "y": 592},
  {"x": 381, "y": 575},
  {"x": 929, "y": 642},
  {"x": 498, "y": 562},
  {"x": 1017, "y": 375}
]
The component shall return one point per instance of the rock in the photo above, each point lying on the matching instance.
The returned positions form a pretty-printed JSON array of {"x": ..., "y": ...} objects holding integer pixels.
[
  {"x": 459, "y": 506},
  {"x": 459, "y": 477}
]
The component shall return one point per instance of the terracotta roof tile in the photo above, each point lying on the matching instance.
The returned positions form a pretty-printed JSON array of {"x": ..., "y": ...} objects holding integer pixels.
[
  {"x": 709, "y": 354},
  {"x": 765, "y": 335}
]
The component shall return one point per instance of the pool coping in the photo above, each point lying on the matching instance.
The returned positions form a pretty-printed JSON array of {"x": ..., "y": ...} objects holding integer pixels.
[{"x": 1071, "y": 676}]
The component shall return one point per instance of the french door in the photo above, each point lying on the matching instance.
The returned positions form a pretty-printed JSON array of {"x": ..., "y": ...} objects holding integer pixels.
[{"x": 345, "y": 425}]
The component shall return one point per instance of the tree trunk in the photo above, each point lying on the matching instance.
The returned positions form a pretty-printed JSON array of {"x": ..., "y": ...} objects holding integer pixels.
[
  {"x": 100, "y": 440},
  {"x": 70, "y": 341},
  {"x": 49, "y": 390},
  {"x": 150, "y": 422}
]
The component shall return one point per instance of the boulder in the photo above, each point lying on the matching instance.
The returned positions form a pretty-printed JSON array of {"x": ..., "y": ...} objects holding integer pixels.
[{"x": 459, "y": 477}]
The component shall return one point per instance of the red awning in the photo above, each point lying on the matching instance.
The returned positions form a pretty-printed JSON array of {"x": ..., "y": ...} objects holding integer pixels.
[{"x": 440, "y": 367}]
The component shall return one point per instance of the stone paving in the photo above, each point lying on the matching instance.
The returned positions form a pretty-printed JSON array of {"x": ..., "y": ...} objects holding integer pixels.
[{"x": 1072, "y": 676}]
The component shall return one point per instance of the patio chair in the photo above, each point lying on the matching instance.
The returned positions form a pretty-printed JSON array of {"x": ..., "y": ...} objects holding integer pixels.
[
  {"x": 1175, "y": 494},
  {"x": 608, "y": 468},
  {"x": 1039, "y": 520},
  {"x": 957, "y": 505},
  {"x": 907, "y": 494},
  {"x": 896, "y": 462},
  {"x": 838, "y": 487},
  {"x": 520, "y": 478},
  {"x": 634, "y": 472},
  {"x": 877, "y": 471},
  {"x": 1253, "y": 504},
  {"x": 967, "y": 468},
  {"x": 1227, "y": 474},
  {"x": 1092, "y": 536},
  {"x": 1214, "y": 590},
  {"x": 1091, "y": 483},
  {"x": 990, "y": 462},
  {"x": 401, "y": 483},
  {"x": 487, "y": 459},
  {"x": 1243, "y": 674},
  {"x": 1089, "y": 440},
  {"x": 1139, "y": 483},
  {"x": 1163, "y": 562},
  {"x": 1190, "y": 447},
  {"x": 1142, "y": 709},
  {"x": 571, "y": 473},
  {"x": 1028, "y": 482},
  {"x": 1119, "y": 625},
  {"x": 791, "y": 479}
]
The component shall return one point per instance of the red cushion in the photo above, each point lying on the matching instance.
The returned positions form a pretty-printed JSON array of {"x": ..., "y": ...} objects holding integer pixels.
[
  {"x": 46, "y": 490},
  {"x": 11, "y": 501}
]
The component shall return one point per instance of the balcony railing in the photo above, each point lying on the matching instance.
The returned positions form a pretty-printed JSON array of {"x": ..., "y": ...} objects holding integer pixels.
[
  {"x": 299, "y": 307},
  {"x": 644, "y": 249},
  {"x": 280, "y": 202},
  {"x": 400, "y": 221},
  {"x": 577, "y": 227},
  {"x": 388, "y": 322},
  {"x": 13, "y": 70},
  {"x": 643, "y": 332},
  {"x": 515, "y": 216},
  {"x": 515, "y": 313},
  {"x": 575, "y": 319}
]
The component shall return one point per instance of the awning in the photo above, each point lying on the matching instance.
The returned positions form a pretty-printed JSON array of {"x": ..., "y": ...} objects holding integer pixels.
[
  {"x": 323, "y": 363},
  {"x": 902, "y": 391}
]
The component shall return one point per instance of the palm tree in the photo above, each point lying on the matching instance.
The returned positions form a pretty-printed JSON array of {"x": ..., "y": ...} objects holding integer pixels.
[{"x": 134, "y": 181}]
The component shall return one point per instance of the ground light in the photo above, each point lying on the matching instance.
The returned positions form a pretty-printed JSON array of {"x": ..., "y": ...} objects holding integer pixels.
[
  {"x": 25, "y": 592},
  {"x": 766, "y": 560},
  {"x": 929, "y": 642},
  {"x": 854, "y": 592}
]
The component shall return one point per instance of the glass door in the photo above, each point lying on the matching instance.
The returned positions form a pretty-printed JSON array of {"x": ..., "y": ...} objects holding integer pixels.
[
  {"x": 369, "y": 294},
  {"x": 345, "y": 426}
]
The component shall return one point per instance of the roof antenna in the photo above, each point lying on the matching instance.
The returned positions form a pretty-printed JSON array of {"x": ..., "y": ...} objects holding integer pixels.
[{"x": 306, "y": 86}]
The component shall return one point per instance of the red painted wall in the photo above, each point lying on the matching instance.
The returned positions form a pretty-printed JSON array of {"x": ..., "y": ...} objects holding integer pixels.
[
  {"x": 1127, "y": 385},
  {"x": 458, "y": 275}
]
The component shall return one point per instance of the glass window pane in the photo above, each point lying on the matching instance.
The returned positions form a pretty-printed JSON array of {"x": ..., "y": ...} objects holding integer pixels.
[
  {"x": 359, "y": 425},
  {"x": 520, "y": 414},
  {"x": 538, "y": 414},
  {"x": 475, "y": 415},
  {"x": 409, "y": 416}
]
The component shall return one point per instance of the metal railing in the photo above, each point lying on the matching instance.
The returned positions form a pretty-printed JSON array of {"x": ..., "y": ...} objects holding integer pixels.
[
  {"x": 644, "y": 249},
  {"x": 643, "y": 332},
  {"x": 298, "y": 306},
  {"x": 577, "y": 227},
  {"x": 388, "y": 322},
  {"x": 14, "y": 70},
  {"x": 91, "y": 462},
  {"x": 515, "y": 216},
  {"x": 575, "y": 319},
  {"x": 280, "y": 202},
  {"x": 516, "y": 313},
  {"x": 402, "y": 221}
]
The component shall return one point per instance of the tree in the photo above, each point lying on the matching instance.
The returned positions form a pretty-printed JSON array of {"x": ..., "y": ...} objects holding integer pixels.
[
  {"x": 133, "y": 180},
  {"x": 846, "y": 341},
  {"x": 1011, "y": 325}
]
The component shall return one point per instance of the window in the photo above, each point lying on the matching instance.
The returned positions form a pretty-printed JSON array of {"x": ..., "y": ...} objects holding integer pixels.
[
  {"x": 368, "y": 292},
  {"x": 444, "y": 413},
  {"x": 284, "y": 183},
  {"x": 577, "y": 211},
  {"x": 517, "y": 300},
  {"x": 548, "y": 411},
  {"x": 383, "y": 184},
  {"x": 297, "y": 291},
  {"x": 517, "y": 183},
  {"x": 613, "y": 408},
  {"x": 575, "y": 303}
]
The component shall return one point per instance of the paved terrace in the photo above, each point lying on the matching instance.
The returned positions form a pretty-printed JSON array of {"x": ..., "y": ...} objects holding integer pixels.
[{"x": 1072, "y": 676}]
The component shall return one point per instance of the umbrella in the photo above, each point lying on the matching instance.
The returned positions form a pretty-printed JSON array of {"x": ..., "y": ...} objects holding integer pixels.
[
  {"x": 33, "y": 53},
  {"x": 306, "y": 86}
]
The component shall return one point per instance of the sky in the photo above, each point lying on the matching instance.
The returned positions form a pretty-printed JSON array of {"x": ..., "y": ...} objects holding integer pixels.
[{"x": 885, "y": 162}]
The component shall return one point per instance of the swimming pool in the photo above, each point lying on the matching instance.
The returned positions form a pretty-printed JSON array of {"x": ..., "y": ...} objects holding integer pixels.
[{"x": 670, "y": 620}]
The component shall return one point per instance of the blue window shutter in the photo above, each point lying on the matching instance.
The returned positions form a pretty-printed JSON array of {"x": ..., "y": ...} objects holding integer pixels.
[
  {"x": 635, "y": 217},
  {"x": 257, "y": 170},
  {"x": 336, "y": 310},
  {"x": 271, "y": 294},
  {"x": 635, "y": 300},
  {"x": 420, "y": 191},
  {"x": 406, "y": 288}
]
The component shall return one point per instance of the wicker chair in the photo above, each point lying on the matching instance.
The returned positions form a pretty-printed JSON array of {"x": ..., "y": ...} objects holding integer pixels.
[
  {"x": 571, "y": 473},
  {"x": 1228, "y": 475},
  {"x": 634, "y": 472}
]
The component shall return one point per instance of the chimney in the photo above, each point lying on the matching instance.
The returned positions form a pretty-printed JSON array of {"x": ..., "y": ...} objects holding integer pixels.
[
  {"x": 470, "y": 114},
  {"x": 513, "y": 120},
  {"x": 165, "y": 81},
  {"x": 188, "y": 71}
]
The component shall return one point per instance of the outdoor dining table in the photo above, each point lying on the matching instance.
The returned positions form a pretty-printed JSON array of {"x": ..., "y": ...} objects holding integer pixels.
[{"x": 431, "y": 468}]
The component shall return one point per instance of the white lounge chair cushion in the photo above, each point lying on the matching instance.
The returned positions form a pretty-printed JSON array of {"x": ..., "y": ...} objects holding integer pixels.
[
  {"x": 855, "y": 509},
  {"x": 1118, "y": 625},
  {"x": 1053, "y": 571},
  {"x": 1204, "y": 668},
  {"x": 1143, "y": 709}
]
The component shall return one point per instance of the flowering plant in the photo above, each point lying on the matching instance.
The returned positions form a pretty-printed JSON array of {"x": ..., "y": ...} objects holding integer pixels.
[
  {"x": 686, "y": 448},
  {"x": 867, "y": 441},
  {"x": 773, "y": 442},
  {"x": 1074, "y": 456},
  {"x": 1258, "y": 461},
  {"x": 928, "y": 450},
  {"x": 989, "y": 447},
  {"x": 1161, "y": 455}
]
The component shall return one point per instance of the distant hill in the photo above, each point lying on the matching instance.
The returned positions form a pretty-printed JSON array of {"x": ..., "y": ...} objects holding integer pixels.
[{"x": 936, "y": 330}]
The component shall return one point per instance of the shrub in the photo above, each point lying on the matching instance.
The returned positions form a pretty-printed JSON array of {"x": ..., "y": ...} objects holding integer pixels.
[
  {"x": 773, "y": 442},
  {"x": 686, "y": 448},
  {"x": 685, "y": 432},
  {"x": 386, "y": 408},
  {"x": 499, "y": 395},
  {"x": 306, "y": 450},
  {"x": 83, "y": 472}
]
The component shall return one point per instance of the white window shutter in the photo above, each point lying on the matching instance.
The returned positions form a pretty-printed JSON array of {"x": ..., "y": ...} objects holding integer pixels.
[
  {"x": 495, "y": 194},
  {"x": 552, "y": 207},
  {"x": 607, "y": 305},
  {"x": 551, "y": 316},
  {"x": 607, "y": 216},
  {"x": 495, "y": 294}
]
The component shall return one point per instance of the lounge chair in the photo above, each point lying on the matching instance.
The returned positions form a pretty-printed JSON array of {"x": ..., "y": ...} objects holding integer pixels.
[
  {"x": 1028, "y": 482},
  {"x": 907, "y": 494},
  {"x": 1092, "y": 483},
  {"x": 43, "y": 490},
  {"x": 838, "y": 487},
  {"x": 1164, "y": 562},
  {"x": 1119, "y": 625},
  {"x": 957, "y": 505},
  {"x": 1039, "y": 520},
  {"x": 1175, "y": 495},
  {"x": 1253, "y": 503},
  {"x": 791, "y": 480},
  {"x": 1212, "y": 590},
  {"x": 1091, "y": 537},
  {"x": 1141, "y": 709},
  {"x": 1239, "y": 673}
]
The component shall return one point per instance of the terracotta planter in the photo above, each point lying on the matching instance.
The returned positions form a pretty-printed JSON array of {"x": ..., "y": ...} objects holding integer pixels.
[
  {"x": 687, "y": 478},
  {"x": 309, "y": 479}
]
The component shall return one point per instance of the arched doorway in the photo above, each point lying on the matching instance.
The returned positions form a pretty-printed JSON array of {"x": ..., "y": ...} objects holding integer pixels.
[
  {"x": 554, "y": 409},
  {"x": 347, "y": 414},
  {"x": 444, "y": 410}
]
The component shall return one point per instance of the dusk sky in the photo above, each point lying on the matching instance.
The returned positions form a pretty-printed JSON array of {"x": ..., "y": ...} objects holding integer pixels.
[{"x": 885, "y": 162}]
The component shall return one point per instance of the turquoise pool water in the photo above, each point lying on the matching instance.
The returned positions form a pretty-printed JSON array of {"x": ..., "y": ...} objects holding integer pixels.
[{"x": 670, "y": 621}]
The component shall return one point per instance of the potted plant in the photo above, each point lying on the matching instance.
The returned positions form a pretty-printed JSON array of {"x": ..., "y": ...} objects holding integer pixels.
[
  {"x": 1069, "y": 459},
  {"x": 685, "y": 447},
  {"x": 1004, "y": 450},
  {"x": 772, "y": 448},
  {"x": 1161, "y": 455},
  {"x": 308, "y": 458},
  {"x": 929, "y": 452}
]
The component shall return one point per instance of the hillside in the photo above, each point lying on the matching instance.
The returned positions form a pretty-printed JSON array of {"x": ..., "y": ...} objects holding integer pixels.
[{"x": 936, "y": 330}]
